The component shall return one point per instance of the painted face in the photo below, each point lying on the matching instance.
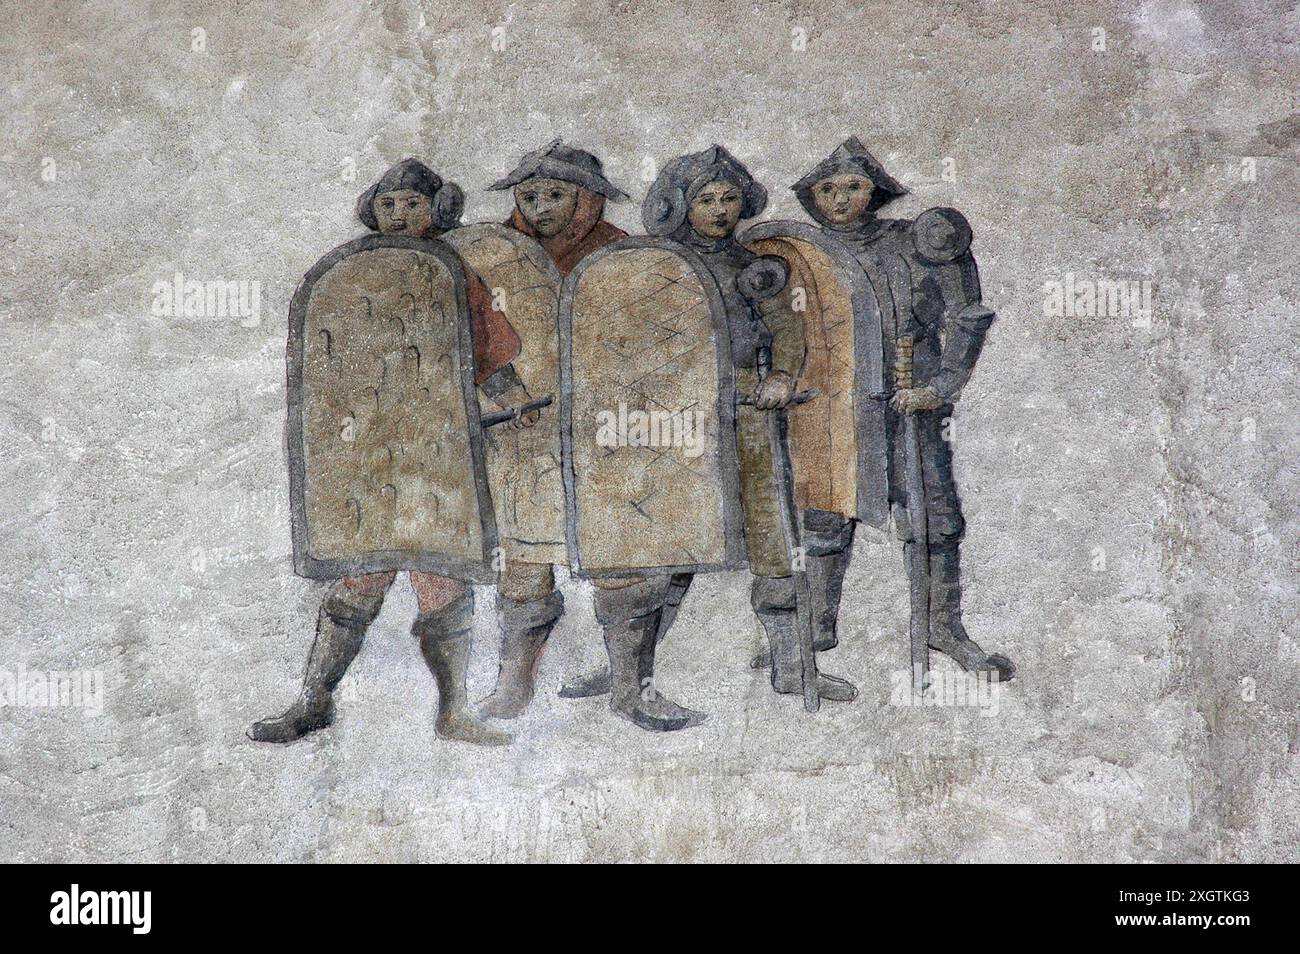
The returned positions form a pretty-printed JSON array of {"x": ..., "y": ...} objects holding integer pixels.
[
  {"x": 404, "y": 212},
  {"x": 715, "y": 210},
  {"x": 842, "y": 198},
  {"x": 547, "y": 204}
]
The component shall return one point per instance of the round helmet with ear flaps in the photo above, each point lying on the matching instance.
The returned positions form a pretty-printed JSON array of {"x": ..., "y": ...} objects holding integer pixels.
[
  {"x": 664, "y": 210},
  {"x": 446, "y": 198}
]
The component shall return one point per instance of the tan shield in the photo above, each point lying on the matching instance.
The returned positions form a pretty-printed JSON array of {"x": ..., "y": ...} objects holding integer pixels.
[
  {"x": 523, "y": 465},
  {"x": 385, "y": 444},
  {"x": 837, "y": 440},
  {"x": 648, "y": 414}
]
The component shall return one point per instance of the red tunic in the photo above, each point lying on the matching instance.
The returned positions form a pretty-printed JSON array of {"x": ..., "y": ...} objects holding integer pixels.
[
  {"x": 496, "y": 343},
  {"x": 586, "y": 233}
]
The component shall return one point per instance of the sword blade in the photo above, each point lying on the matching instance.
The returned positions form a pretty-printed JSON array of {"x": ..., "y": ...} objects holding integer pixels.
[
  {"x": 919, "y": 568},
  {"x": 784, "y": 475}
]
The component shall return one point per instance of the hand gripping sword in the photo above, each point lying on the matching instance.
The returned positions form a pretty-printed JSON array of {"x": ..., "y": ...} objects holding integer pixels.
[
  {"x": 784, "y": 479},
  {"x": 510, "y": 413}
]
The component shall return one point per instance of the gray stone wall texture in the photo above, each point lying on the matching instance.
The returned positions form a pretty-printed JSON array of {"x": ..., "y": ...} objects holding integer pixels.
[{"x": 1130, "y": 482}]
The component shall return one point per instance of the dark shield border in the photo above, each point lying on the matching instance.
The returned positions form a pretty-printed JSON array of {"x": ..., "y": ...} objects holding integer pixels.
[
  {"x": 728, "y": 459},
  {"x": 380, "y": 561},
  {"x": 868, "y": 354}
]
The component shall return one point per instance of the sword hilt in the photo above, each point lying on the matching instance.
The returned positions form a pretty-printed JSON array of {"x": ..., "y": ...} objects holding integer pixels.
[
  {"x": 510, "y": 413},
  {"x": 903, "y": 363}
]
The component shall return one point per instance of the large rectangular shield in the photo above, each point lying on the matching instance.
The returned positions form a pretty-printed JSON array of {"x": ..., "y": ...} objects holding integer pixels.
[
  {"x": 523, "y": 465},
  {"x": 647, "y": 414},
  {"x": 837, "y": 440},
  {"x": 385, "y": 446}
]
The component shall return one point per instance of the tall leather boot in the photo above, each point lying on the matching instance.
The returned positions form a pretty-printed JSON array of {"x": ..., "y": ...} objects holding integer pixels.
[
  {"x": 773, "y": 602},
  {"x": 787, "y": 672},
  {"x": 826, "y": 580},
  {"x": 828, "y": 542},
  {"x": 445, "y": 642},
  {"x": 631, "y": 617},
  {"x": 341, "y": 626},
  {"x": 947, "y": 634},
  {"x": 525, "y": 627},
  {"x": 597, "y": 681}
]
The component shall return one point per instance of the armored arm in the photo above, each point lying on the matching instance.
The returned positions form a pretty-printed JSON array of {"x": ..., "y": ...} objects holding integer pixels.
[
  {"x": 963, "y": 341},
  {"x": 942, "y": 239}
]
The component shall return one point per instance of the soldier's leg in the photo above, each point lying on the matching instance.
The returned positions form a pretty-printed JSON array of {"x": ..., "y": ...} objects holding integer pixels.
[
  {"x": 828, "y": 549},
  {"x": 828, "y": 545},
  {"x": 528, "y": 605},
  {"x": 349, "y": 607},
  {"x": 631, "y": 611},
  {"x": 442, "y": 627},
  {"x": 597, "y": 681},
  {"x": 773, "y": 591},
  {"x": 947, "y": 527},
  {"x": 773, "y": 599}
]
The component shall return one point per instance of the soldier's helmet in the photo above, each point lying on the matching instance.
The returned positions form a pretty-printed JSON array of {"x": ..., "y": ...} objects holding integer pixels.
[
  {"x": 447, "y": 198},
  {"x": 849, "y": 156},
  {"x": 555, "y": 160},
  {"x": 664, "y": 210}
]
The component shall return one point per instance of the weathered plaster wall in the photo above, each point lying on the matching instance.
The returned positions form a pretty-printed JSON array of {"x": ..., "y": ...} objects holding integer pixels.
[{"x": 1131, "y": 491}]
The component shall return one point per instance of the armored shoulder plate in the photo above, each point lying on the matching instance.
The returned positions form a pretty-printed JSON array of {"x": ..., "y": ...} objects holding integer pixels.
[
  {"x": 762, "y": 278},
  {"x": 941, "y": 235}
]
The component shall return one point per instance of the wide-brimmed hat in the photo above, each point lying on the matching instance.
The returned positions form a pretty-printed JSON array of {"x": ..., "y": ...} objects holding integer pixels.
[{"x": 558, "y": 161}]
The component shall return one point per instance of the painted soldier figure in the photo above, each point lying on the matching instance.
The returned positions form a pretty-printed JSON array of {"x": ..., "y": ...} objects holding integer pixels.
[
  {"x": 560, "y": 194},
  {"x": 411, "y": 200},
  {"x": 697, "y": 201},
  {"x": 934, "y": 324}
]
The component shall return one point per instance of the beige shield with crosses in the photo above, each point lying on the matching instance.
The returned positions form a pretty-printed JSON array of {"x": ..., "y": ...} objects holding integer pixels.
[
  {"x": 647, "y": 414},
  {"x": 837, "y": 440}
]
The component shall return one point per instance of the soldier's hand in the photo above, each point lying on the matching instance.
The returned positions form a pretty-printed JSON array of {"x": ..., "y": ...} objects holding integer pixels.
[
  {"x": 912, "y": 400},
  {"x": 514, "y": 398},
  {"x": 775, "y": 391}
]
